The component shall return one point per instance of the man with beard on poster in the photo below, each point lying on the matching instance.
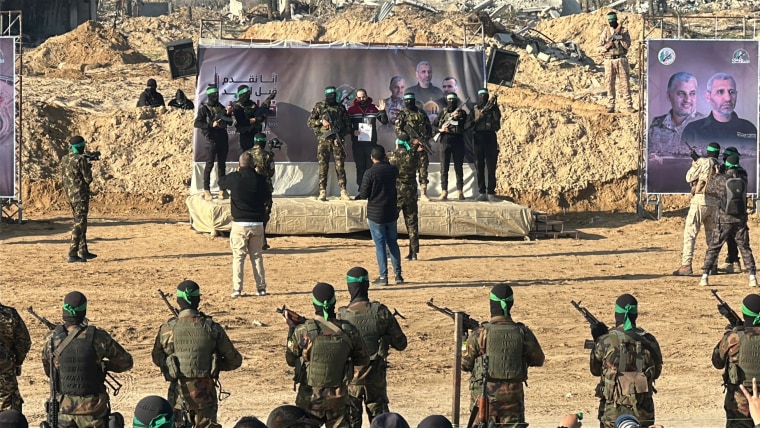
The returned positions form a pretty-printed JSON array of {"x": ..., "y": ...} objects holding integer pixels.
[
  {"x": 424, "y": 90},
  {"x": 664, "y": 133},
  {"x": 393, "y": 104},
  {"x": 213, "y": 119}
]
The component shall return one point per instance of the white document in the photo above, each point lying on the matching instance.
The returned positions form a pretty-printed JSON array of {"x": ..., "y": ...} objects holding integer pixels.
[{"x": 365, "y": 132}]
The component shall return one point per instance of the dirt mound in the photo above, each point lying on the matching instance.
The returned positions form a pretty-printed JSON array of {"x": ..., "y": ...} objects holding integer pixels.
[
  {"x": 89, "y": 44},
  {"x": 278, "y": 30}
]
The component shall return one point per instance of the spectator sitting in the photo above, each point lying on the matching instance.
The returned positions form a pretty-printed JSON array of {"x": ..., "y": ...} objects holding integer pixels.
[
  {"x": 289, "y": 416},
  {"x": 389, "y": 420},
  {"x": 150, "y": 97},
  {"x": 181, "y": 102},
  {"x": 435, "y": 421}
]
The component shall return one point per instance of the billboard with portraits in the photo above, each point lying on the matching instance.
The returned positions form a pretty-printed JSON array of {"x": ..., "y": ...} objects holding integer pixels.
[
  {"x": 8, "y": 161},
  {"x": 698, "y": 92}
]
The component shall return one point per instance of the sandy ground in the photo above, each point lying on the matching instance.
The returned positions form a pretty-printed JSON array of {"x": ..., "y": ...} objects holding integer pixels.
[{"x": 616, "y": 254}]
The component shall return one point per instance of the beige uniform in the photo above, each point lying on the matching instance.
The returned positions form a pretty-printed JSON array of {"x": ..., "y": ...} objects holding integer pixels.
[
  {"x": 616, "y": 64},
  {"x": 702, "y": 210}
]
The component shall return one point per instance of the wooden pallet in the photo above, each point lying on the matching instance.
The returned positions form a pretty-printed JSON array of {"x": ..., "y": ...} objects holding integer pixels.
[{"x": 545, "y": 228}]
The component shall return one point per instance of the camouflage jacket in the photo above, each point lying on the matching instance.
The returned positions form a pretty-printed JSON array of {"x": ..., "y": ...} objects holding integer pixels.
[
  {"x": 619, "y": 46},
  {"x": 76, "y": 172},
  {"x": 664, "y": 137},
  {"x": 336, "y": 114},
  {"x": 725, "y": 357},
  {"x": 414, "y": 123},
  {"x": 263, "y": 163},
  {"x": 605, "y": 357},
  {"x": 14, "y": 340},
  {"x": 392, "y": 335},
  {"x": 298, "y": 354},
  {"x": 699, "y": 175},
  {"x": 716, "y": 189},
  {"x": 407, "y": 162},
  {"x": 197, "y": 393},
  {"x": 475, "y": 347},
  {"x": 112, "y": 357}
]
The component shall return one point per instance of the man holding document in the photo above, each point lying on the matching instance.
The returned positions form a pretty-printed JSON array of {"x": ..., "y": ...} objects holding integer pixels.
[{"x": 364, "y": 116}]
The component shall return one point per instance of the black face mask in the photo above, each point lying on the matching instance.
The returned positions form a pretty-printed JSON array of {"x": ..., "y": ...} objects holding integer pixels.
[
  {"x": 451, "y": 105},
  {"x": 482, "y": 100},
  {"x": 245, "y": 97},
  {"x": 410, "y": 104},
  {"x": 331, "y": 99},
  {"x": 213, "y": 98},
  {"x": 613, "y": 24},
  {"x": 151, "y": 89}
]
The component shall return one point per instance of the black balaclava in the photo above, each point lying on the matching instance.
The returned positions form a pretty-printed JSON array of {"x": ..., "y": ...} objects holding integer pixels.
[
  {"x": 74, "y": 308},
  {"x": 180, "y": 97},
  {"x": 435, "y": 421},
  {"x": 612, "y": 19},
  {"x": 713, "y": 150},
  {"x": 482, "y": 97},
  {"x": 212, "y": 92},
  {"x": 626, "y": 311},
  {"x": 13, "y": 419},
  {"x": 285, "y": 416},
  {"x": 151, "y": 86},
  {"x": 732, "y": 162},
  {"x": 153, "y": 412},
  {"x": 260, "y": 139},
  {"x": 452, "y": 102},
  {"x": 323, "y": 298},
  {"x": 502, "y": 299},
  {"x": 188, "y": 294},
  {"x": 331, "y": 95},
  {"x": 76, "y": 144},
  {"x": 730, "y": 151},
  {"x": 751, "y": 310},
  {"x": 389, "y": 420},
  {"x": 410, "y": 101},
  {"x": 243, "y": 93},
  {"x": 357, "y": 279}
]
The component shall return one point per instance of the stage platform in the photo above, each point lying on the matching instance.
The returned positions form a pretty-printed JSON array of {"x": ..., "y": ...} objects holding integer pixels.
[{"x": 308, "y": 216}]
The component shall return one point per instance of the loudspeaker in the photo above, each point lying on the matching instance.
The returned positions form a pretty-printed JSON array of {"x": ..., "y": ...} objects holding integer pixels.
[
  {"x": 182, "y": 60},
  {"x": 502, "y": 67}
]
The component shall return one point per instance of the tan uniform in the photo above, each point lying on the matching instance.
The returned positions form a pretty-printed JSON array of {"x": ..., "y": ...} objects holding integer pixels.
[
  {"x": 702, "y": 210},
  {"x": 616, "y": 63}
]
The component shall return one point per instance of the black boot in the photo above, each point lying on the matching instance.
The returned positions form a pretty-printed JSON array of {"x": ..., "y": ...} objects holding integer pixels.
[
  {"x": 75, "y": 259},
  {"x": 266, "y": 244},
  {"x": 87, "y": 255},
  {"x": 412, "y": 255}
]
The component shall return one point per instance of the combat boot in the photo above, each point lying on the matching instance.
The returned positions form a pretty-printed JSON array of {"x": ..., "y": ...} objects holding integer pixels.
[
  {"x": 482, "y": 197},
  {"x": 460, "y": 196},
  {"x": 322, "y": 195},
  {"x": 344, "y": 196},
  {"x": 207, "y": 195},
  {"x": 444, "y": 195},
  {"x": 423, "y": 193},
  {"x": 223, "y": 194},
  {"x": 412, "y": 255},
  {"x": 684, "y": 270},
  {"x": 704, "y": 281},
  {"x": 87, "y": 255},
  {"x": 75, "y": 259}
]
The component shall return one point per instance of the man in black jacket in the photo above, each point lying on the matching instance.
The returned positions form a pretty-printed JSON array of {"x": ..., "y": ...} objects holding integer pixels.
[
  {"x": 250, "y": 193},
  {"x": 379, "y": 189}
]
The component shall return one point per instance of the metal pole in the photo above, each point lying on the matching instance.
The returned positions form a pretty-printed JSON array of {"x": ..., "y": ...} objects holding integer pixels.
[{"x": 457, "y": 369}]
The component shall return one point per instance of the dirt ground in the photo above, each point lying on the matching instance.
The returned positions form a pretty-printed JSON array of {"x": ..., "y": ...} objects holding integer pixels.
[{"x": 617, "y": 253}]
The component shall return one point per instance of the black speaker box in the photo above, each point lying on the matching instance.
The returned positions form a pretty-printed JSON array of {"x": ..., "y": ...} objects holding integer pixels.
[
  {"x": 182, "y": 60},
  {"x": 502, "y": 67}
]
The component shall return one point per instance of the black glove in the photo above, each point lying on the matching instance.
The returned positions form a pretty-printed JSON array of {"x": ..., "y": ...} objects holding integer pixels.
[
  {"x": 599, "y": 330},
  {"x": 693, "y": 154}
]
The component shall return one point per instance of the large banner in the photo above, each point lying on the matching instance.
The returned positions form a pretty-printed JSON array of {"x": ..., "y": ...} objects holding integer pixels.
[
  {"x": 300, "y": 75},
  {"x": 7, "y": 118},
  {"x": 698, "y": 92}
]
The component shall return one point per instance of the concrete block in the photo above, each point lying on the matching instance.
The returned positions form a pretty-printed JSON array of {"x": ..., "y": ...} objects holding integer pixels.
[{"x": 544, "y": 57}]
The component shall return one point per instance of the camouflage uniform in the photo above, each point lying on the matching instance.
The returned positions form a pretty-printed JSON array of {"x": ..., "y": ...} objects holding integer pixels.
[
  {"x": 192, "y": 372},
  {"x": 703, "y": 208},
  {"x": 263, "y": 163},
  {"x": 727, "y": 356},
  {"x": 77, "y": 176},
  {"x": 330, "y": 146},
  {"x": 506, "y": 397},
  {"x": 664, "y": 136},
  {"x": 327, "y": 403},
  {"x": 379, "y": 330},
  {"x": 244, "y": 112},
  {"x": 642, "y": 366},
  {"x": 407, "y": 163},
  {"x": 14, "y": 345},
  {"x": 616, "y": 64},
  {"x": 90, "y": 409},
  {"x": 415, "y": 124}
]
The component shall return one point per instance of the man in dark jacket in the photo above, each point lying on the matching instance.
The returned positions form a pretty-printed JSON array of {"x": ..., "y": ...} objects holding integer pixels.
[
  {"x": 150, "y": 97},
  {"x": 250, "y": 192},
  {"x": 181, "y": 101},
  {"x": 379, "y": 189},
  {"x": 364, "y": 116}
]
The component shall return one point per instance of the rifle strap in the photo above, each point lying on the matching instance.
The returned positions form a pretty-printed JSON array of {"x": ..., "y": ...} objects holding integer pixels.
[
  {"x": 329, "y": 326},
  {"x": 67, "y": 341}
]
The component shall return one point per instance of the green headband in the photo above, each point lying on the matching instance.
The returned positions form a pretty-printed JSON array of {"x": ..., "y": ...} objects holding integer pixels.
[
  {"x": 160, "y": 421},
  {"x": 210, "y": 91},
  {"x": 451, "y": 96},
  {"x": 243, "y": 91},
  {"x": 629, "y": 309},
  {"x": 80, "y": 144},
  {"x": 731, "y": 165},
  {"x": 483, "y": 91},
  {"x": 495, "y": 298},
  {"x": 729, "y": 152},
  {"x": 72, "y": 310},
  {"x": 259, "y": 139},
  {"x": 712, "y": 149},
  {"x": 351, "y": 279},
  {"x": 409, "y": 96},
  {"x": 326, "y": 305},
  {"x": 187, "y": 294},
  {"x": 405, "y": 144},
  {"x": 329, "y": 91},
  {"x": 611, "y": 16},
  {"x": 749, "y": 313}
]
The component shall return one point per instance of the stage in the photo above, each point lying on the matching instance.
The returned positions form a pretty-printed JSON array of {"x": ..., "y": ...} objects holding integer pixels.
[{"x": 308, "y": 216}]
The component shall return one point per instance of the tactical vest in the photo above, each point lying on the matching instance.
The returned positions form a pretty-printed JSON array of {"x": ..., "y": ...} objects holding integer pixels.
[
  {"x": 213, "y": 112},
  {"x": 415, "y": 121},
  {"x": 194, "y": 347},
  {"x": 488, "y": 122},
  {"x": 620, "y": 385},
  {"x": 79, "y": 370},
  {"x": 617, "y": 47},
  {"x": 365, "y": 319},
  {"x": 457, "y": 129},
  {"x": 329, "y": 354},
  {"x": 249, "y": 109},
  {"x": 749, "y": 360},
  {"x": 504, "y": 348}
]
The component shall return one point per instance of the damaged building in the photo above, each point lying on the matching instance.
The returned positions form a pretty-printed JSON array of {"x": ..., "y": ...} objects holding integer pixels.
[{"x": 44, "y": 18}]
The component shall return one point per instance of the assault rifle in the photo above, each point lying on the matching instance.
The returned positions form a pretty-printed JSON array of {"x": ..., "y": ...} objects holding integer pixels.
[
  {"x": 479, "y": 415},
  {"x": 294, "y": 317},
  {"x": 598, "y": 328},
  {"x": 467, "y": 322},
  {"x": 692, "y": 152},
  {"x": 490, "y": 104},
  {"x": 451, "y": 120},
  {"x": 396, "y": 313},
  {"x": 172, "y": 309},
  {"x": 615, "y": 34},
  {"x": 733, "y": 318},
  {"x": 416, "y": 135},
  {"x": 333, "y": 131}
]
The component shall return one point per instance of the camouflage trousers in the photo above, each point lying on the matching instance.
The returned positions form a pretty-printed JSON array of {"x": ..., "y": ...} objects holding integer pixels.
[
  {"x": 199, "y": 397},
  {"x": 737, "y": 409},
  {"x": 644, "y": 411},
  {"x": 325, "y": 406},
  {"x": 80, "y": 210},
  {"x": 84, "y": 411},
  {"x": 423, "y": 168},
  {"x": 10, "y": 397},
  {"x": 617, "y": 69},
  {"x": 699, "y": 215},
  {"x": 506, "y": 402},
  {"x": 407, "y": 203},
  {"x": 373, "y": 392},
  {"x": 200, "y": 418},
  {"x": 325, "y": 149}
]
